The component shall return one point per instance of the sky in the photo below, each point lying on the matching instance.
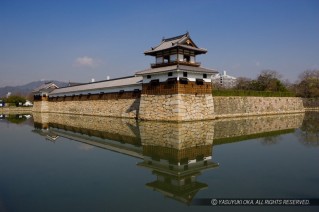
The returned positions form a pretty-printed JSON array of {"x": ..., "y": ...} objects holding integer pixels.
[{"x": 76, "y": 41}]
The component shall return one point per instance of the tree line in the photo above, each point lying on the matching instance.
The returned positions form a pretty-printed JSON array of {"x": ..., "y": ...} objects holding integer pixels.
[
  {"x": 306, "y": 86},
  {"x": 16, "y": 100}
]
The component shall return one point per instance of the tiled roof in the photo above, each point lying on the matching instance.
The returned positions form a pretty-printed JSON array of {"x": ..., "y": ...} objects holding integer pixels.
[
  {"x": 45, "y": 86},
  {"x": 175, "y": 67},
  {"x": 174, "y": 42},
  {"x": 132, "y": 80}
]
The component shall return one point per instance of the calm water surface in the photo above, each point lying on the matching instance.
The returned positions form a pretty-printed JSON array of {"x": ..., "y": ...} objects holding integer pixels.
[{"x": 51, "y": 162}]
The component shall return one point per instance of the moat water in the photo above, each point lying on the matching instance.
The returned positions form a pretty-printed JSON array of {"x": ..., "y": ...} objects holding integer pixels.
[{"x": 52, "y": 162}]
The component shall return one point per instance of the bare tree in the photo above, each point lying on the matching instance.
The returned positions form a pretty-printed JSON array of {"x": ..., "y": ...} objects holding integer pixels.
[
  {"x": 243, "y": 83},
  {"x": 308, "y": 85},
  {"x": 269, "y": 80}
]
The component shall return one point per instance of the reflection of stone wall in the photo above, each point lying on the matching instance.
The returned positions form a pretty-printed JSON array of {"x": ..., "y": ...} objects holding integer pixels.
[
  {"x": 115, "y": 127},
  {"x": 227, "y": 128},
  {"x": 15, "y": 110},
  {"x": 176, "y": 135},
  {"x": 41, "y": 118},
  {"x": 177, "y": 107},
  {"x": 112, "y": 107},
  {"x": 311, "y": 103},
  {"x": 246, "y": 106}
]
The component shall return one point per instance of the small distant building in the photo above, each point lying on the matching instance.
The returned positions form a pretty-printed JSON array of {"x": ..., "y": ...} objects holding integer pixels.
[
  {"x": 28, "y": 103},
  {"x": 224, "y": 80}
]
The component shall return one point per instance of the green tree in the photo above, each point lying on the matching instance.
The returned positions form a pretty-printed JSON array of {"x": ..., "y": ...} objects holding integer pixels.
[{"x": 14, "y": 99}]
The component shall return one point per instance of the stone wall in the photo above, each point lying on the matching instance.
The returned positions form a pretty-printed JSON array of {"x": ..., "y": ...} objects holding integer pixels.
[
  {"x": 127, "y": 108},
  {"x": 176, "y": 107},
  {"x": 41, "y": 106},
  {"x": 247, "y": 106}
]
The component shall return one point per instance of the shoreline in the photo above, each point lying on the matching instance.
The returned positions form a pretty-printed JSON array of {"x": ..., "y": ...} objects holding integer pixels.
[
  {"x": 22, "y": 110},
  {"x": 6, "y": 110}
]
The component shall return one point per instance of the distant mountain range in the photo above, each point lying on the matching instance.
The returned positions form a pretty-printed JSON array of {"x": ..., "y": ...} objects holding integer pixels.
[{"x": 24, "y": 90}]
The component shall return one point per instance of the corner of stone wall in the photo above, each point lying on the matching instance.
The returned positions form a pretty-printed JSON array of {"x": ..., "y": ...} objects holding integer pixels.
[
  {"x": 176, "y": 107},
  {"x": 40, "y": 106}
]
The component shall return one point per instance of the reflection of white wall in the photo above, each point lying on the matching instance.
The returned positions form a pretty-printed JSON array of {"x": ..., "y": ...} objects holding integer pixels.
[{"x": 224, "y": 80}]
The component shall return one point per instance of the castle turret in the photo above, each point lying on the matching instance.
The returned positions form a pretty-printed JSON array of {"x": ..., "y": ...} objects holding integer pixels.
[
  {"x": 176, "y": 50},
  {"x": 176, "y": 87}
]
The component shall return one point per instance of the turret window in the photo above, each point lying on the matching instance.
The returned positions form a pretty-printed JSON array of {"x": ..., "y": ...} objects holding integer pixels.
[
  {"x": 180, "y": 57},
  {"x": 183, "y": 80},
  {"x": 186, "y": 58},
  {"x": 199, "y": 81},
  {"x": 173, "y": 57},
  {"x": 159, "y": 60},
  {"x": 166, "y": 59}
]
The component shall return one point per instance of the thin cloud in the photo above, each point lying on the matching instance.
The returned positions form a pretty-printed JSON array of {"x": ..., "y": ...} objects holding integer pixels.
[
  {"x": 257, "y": 63},
  {"x": 86, "y": 61}
]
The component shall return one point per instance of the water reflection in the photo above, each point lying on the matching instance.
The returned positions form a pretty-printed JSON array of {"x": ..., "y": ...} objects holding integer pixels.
[
  {"x": 309, "y": 130},
  {"x": 175, "y": 153},
  {"x": 15, "y": 118}
]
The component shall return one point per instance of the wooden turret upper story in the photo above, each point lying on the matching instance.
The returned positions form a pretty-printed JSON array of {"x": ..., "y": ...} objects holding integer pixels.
[{"x": 176, "y": 50}]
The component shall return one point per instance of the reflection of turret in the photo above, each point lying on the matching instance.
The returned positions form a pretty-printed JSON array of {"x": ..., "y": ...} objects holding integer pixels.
[
  {"x": 177, "y": 153},
  {"x": 176, "y": 170}
]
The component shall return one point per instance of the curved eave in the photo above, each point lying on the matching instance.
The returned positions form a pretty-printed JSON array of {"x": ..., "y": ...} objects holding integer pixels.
[
  {"x": 196, "y": 50},
  {"x": 177, "y": 68}
]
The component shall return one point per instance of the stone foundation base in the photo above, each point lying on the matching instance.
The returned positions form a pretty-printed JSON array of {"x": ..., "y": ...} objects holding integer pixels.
[{"x": 176, "y": 107}]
